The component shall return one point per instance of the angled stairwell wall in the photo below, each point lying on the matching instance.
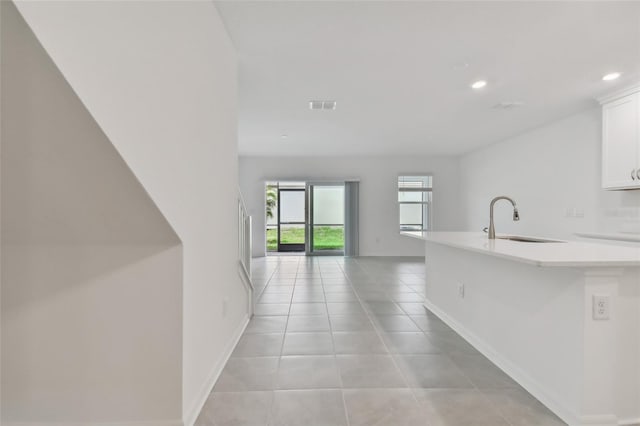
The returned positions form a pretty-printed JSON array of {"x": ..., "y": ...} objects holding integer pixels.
[
  {"x": 160, "y": 79},
  {"x": 91, "y": 270}
]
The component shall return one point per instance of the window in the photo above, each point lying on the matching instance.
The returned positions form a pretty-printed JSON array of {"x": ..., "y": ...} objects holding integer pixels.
[{"x": 414, "y": 202}]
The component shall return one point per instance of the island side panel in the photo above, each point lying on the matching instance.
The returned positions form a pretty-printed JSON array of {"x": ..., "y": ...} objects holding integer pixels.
[
  {"x": 627, "y": 310},
  {"x": 528, "y": 320},
  {"x": 600, "y": 385}
]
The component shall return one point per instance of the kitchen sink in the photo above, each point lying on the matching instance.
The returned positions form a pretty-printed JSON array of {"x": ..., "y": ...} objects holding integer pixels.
[{"x": 527, "y": 239}]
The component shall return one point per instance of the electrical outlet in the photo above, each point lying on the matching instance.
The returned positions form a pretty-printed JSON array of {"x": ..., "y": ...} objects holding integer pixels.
[
  {"x": 461, "y": 290},
  {"x": 574, "y": 212},
  {"x": 601, "y": 306}
]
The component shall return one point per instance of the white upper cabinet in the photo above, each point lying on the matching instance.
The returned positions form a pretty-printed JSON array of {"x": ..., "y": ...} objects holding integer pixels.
[{"x": 621, "y": 140}]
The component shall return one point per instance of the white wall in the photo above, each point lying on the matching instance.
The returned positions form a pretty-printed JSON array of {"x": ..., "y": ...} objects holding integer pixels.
[
  {"x": 160, "y": 79},
  {"x": 91, "y": 332},
  {"x": 547, "y": 171},
  {"x": 628, "y": 338},
  {"x": 379, "y": 234},
  {"x": 91, "y": 270}
]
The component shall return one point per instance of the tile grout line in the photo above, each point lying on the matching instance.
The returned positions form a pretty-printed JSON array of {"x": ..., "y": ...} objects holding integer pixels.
[
  {"x": 335, "y": 356},
  {"x": 375, "y": 328},
  {"x": 283, "y": 341},
  {"x": 444, "y": 353},
  {"x": 277, "y": 373},
  {"x": 496, "y": 409},
  {"x": 413, "y": 390},
  {"x": 275, "y": 379}
]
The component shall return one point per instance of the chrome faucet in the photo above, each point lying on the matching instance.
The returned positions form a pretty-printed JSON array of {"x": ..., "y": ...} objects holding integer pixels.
[{"x": 516, "y": 215}]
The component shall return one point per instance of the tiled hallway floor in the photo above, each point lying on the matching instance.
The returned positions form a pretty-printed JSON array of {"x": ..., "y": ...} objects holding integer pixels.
[{"x": 343, "y": 341}]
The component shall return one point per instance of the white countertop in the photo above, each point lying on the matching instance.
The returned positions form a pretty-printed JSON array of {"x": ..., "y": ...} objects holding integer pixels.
[
  {"x": 620, "y": 236},
  {"x": 566, "y": 254}
]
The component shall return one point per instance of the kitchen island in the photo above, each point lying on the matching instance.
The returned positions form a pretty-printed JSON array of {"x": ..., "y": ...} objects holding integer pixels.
[{"x": 561, "y": 318}]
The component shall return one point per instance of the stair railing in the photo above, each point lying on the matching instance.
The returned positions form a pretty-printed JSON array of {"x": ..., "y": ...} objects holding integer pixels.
[{"x": 244, "y": 246}]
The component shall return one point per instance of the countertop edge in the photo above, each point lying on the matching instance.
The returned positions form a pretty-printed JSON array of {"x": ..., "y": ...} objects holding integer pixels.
[
  {"x": 529, "y": 261},
  {"x": 611, "y": 237}
]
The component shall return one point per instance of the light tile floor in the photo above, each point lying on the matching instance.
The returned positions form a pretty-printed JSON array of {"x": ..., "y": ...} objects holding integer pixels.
[{"x": 346, "y": 341}]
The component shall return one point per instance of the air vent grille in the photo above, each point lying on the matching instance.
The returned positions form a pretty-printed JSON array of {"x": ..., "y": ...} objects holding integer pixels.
[{"x": 322, "y": 105}]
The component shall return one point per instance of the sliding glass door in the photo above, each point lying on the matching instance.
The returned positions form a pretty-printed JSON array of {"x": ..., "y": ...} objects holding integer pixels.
[
  {"x": 325, "y": 218},
  {"x": 312, "y": 217},
  {"x": 291, "y": 219}
]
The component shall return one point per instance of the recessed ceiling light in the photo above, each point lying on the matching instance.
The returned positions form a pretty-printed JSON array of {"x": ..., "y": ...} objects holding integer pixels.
[
  {"x": 284, "y": 136},
  {"x": 611, "y": 76},
  {"x": 479, "y": 84}
]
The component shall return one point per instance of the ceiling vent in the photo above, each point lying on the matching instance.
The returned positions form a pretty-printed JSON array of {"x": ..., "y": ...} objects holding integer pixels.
[
  {"x": 326, "y": 105},
  {"x": 506, "y": 105}
]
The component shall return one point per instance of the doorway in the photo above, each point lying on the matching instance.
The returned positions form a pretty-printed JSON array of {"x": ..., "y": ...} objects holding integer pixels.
[
  {"x": 305, "y": 218},
  {"x": 291, "y": 218},
  {"x": 325, "y": 221}
]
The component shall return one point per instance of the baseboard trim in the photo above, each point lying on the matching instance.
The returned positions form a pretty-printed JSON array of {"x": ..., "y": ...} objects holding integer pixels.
[
  {"x": 192, "y": 414},
  {"x": 605, "y": 420},
  {"x": 523, "y": 379},
  {"x": 136, "y": 423}
]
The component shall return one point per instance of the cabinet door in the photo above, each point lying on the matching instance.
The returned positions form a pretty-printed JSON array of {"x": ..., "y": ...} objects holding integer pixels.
[{"x": 620, "y": 142}]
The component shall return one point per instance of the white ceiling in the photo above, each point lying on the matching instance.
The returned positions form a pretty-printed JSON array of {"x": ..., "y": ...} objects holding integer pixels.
[{"x": 396, "y": 71}]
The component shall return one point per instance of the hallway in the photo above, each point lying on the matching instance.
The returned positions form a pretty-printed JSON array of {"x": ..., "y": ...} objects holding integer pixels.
[{"x": 346, "y": 341}]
